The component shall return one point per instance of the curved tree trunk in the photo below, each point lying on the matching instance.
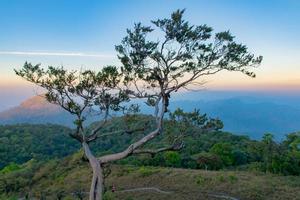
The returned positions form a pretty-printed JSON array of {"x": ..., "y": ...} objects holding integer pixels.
[{"x": 96, "y": 189}]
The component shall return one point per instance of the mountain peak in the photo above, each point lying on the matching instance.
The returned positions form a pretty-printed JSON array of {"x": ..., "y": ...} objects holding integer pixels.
[
  {"x": 36, "y": 110},
  {"x": 37, "y": 103}
]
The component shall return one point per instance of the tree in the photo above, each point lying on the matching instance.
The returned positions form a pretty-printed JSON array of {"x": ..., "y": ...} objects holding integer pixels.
[
  {"x": 209, "y": 161},
  {"x": 291, "y": 154},
  {"x": 224, "y": 151},
  {"x": 269, "y": 152},
  {"x": 151, "y": 70}
]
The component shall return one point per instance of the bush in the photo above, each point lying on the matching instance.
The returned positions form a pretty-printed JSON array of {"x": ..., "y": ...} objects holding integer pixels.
[
  {"x": 208, "y": 161},
  {"x": 224, "y": 151},
  {"x": 10, "y": 168},
  {"x": 109, "y": 196},
  {"x": 172, "y": 159}
]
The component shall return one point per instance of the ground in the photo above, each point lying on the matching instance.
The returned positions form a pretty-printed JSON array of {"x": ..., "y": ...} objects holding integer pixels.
[
  {"x": 180, "y": 184},
  {"x": 70, "y": 179}
]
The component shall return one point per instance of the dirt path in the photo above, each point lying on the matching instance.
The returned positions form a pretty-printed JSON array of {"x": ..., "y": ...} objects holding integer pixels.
[
  {"x": 145, "y": 189},
  {"x": 218, "y": 196},
  {"x": 221, "y": 196}
]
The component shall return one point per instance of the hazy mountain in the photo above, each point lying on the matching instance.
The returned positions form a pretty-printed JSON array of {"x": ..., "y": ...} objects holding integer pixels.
[
  {"x": 253, "y": 118},
  {"x": 242, "y": 115},
  {"x": 36, "y": 110}
]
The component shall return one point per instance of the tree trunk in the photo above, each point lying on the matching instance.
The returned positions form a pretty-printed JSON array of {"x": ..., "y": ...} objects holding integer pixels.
[{"x": 96, "y": 189}]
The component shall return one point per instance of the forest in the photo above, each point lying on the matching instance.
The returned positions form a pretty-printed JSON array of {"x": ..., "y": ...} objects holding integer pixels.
[
  {"x": 203, "y": 150},
  {"x": 37, "y": 151}
]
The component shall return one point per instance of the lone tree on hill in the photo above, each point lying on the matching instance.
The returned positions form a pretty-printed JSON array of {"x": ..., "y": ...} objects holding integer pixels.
[{"x": 151, "y": 70}]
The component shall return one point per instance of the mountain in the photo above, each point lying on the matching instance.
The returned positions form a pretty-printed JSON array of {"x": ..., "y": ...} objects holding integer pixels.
[
  {"x": 252, "y": 118},
  {"x": 36, "y": 110},
  {"x": 247, "y": 115}
]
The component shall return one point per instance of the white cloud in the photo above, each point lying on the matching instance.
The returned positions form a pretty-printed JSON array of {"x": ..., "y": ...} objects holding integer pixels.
[{"x": 70, "y": 54}]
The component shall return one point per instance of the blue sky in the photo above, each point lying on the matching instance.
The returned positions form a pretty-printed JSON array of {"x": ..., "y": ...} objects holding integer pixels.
[{"x": 78, "y": 33}]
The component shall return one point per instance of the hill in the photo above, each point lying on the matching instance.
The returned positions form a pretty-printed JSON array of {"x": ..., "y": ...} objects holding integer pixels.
[
  {"x": 20, "y": 143},
  {"x": 36, "y": 110},
  {"x": 69, "y": 179},
  {"x": 202, "y": 149}
]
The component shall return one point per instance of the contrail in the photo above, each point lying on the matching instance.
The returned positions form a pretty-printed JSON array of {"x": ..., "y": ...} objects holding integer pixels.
[{"x": 71, "y": 54}]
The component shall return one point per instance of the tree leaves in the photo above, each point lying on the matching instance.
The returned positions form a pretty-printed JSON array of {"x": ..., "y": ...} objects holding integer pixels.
[
  {"x": 76, "y": 91},
  {"x": 183, "y": 50}
]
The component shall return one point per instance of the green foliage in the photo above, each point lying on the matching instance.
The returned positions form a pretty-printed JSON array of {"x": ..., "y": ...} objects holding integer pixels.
[
  {"x": 10, "y": 168},
  {"x": 16, "y": 180},
  {"x": 183, "y": 49},
  {"x": 240, "y": 157},
  {"x": 224, "y": 151},
  {"x": 205, "y": 150},
  {"x": 195, "y": 119},
  {"x": 172, "y": 159},
  {"x": 109, "y": 196},
  {"x": 21, "y": 143}
]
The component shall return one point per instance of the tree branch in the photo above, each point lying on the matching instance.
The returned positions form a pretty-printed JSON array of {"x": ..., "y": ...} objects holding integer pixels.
[
  {"x": 152, "y": 152},
  {"x": 131, "y": 148},
  {"x": 93, "y": 135}
]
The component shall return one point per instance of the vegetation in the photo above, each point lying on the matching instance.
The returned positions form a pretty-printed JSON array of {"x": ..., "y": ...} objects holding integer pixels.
[
  {"x": 68, "y": 179},
  {"x": 151, "y": 71},
  {"x": 23, "y": 142},
  {"x": 202, "y": 150}
]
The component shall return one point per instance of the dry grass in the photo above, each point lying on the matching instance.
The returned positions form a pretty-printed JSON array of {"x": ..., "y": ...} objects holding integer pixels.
[
  {"x": 199, "y": 184},
  {"x": 179, "y": 184}
]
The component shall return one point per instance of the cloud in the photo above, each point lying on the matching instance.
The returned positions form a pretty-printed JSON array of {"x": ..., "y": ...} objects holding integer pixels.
[{"x": 69, "y": 54}]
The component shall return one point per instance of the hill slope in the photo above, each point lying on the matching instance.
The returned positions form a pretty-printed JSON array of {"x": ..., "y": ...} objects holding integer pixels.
[
  {"x": 20, "y": 143},
  {"x": 70, "y": 179}
]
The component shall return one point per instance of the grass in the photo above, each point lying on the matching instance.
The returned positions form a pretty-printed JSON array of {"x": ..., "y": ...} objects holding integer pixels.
[{"x": 70, "y": 177}]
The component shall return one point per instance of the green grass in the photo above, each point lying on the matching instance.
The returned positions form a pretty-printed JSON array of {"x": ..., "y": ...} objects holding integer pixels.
[{"x": 71, "y": 177}]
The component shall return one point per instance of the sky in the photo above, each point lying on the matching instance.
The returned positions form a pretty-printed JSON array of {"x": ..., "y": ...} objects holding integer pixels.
[{"x": 82, "y": 34}]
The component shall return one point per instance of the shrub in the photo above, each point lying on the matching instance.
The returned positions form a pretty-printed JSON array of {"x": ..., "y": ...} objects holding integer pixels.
[
  {"x": 208, "y": 161},
  {"x": 224, "y": 151},
  {"x": 109, "y": 196},
  {"x": 10, "y": 168},
  {"x": 172, "y": 159}
]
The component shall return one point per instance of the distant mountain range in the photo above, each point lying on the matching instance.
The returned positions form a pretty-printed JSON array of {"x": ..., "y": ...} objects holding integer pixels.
[
  {"x": 248, "y": 118},
  {"x": 36, "y": 110},
  {"x": 240, "y": 115}
]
